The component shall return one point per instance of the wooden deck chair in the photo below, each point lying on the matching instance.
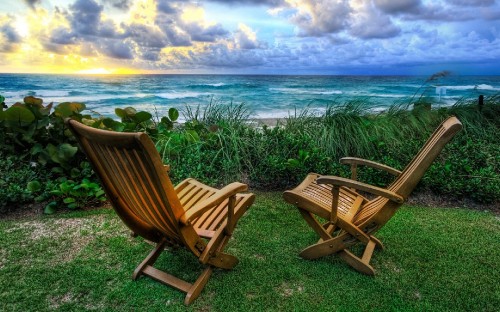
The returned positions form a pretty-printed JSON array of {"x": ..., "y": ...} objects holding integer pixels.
[
  {"x": 350, "y": 217},
  {"x": 193, "y": 215}
]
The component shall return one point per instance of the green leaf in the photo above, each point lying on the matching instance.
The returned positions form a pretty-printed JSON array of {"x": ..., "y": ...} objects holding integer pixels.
[
  {"x": 56, "y": 193},
  {"x": 173, "y": 114},
  {"x": 36, "y": 149},
  {"x": 50, "y": 208},
  {"x": 62, "y": 153},
  {"x": 130, "y": 111},
  {"x": 142, "y": 117},
  {"x": 293, "y": 163},
  {"x": 2, "y": 99},
  {"x": 34, "y": 186},
  {"x": 192, "y": 136},
  {"x": 167, "y": 123},
  {"x": 72, "y": 206},
  {"x": 75, "y": 173},
  {"x": 69, "y": 200},
  {"x": 120, "y": 112},
  {"x": 31, "y": 100},
  {"x": 19, "y": 114},
  {"x": 57, "y": 170},
  {"x": 67, "y": 109}
]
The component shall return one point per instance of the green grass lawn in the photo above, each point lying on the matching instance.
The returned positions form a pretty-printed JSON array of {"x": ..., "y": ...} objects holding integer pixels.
[{"x": 435, "y": 260}]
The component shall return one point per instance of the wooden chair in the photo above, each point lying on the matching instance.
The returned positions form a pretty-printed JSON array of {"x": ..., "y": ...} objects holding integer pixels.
[
  {"x": 193, "y": 215},
  {"x": 350, "y": 217}
]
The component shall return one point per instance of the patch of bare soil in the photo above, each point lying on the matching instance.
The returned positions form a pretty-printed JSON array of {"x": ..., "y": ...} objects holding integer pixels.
[
  {"x": 429, "y": 199},
  {"x": 33, "y": 210}
]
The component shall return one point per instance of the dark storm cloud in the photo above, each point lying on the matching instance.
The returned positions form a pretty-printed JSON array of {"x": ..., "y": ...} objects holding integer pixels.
[
  {"x": 176, "y": 36},
  {"x": 85, "y": 17},
  {"x": 152, "y": 55},
  {"x": 205, "y": 34},
  {"x": 9, "y": 38},
  {"x": 10, "y": 33},
  {"x": 218, "y": 55},
  {"x": 251, "y": 2},
  {"x": 165, "y": 6},
  {"x": 146, "y": 36},
  {"x": 62, "y": 35},
  {"x": 32, "y": 3},
  {"x": 400, "y": 6},
  {"x": 119, "y": 4},
  {"x": 375, "y": 30},
  {"x": 116, "y": 49}
]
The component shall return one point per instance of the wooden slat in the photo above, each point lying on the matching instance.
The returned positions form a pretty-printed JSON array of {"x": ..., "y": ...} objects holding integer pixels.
[{"x": 166, "y": 278}]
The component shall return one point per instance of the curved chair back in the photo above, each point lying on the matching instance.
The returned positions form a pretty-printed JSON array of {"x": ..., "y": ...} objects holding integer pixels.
[
  {"x": 406, "y": 182},
  {"x": 134, "y": 179}
]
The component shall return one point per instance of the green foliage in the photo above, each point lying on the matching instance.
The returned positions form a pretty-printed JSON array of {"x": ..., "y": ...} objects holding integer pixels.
[
  {"x": 75, "y": 195},
  {"x": 16, "y": 179},
  {"x": 218, "y": 144}
]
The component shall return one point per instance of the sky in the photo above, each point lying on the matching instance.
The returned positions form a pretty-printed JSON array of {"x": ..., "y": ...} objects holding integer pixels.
[{"x": 331, "y": 37}]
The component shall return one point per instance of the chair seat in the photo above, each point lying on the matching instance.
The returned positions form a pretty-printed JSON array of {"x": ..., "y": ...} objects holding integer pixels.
[
  {"x": 317, "y": 198},
  {"x": 191, "y": 191}
]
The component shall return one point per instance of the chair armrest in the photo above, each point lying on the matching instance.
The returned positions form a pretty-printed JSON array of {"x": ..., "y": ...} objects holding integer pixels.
[
  {"x": 167, "y": 168},
  {"x": 369, "y": 163},
  {"x": 214, "y": 200},
  {"x": 338, "y": 181}
]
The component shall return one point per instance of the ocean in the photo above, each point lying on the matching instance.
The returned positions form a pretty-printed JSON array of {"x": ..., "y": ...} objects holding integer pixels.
[{"x": 265, "y": 96}]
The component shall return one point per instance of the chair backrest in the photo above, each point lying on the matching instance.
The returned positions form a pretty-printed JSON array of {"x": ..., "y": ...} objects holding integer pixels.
[
  {"x": 134, "y": 179},
  {"x": 406, "y": 182}
]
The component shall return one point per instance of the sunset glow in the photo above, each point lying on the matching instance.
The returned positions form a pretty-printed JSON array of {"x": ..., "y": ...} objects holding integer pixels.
[{"x": 250, "y": 36}]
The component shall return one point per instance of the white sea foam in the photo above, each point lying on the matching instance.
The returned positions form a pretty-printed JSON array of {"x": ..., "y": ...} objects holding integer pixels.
[
  {"x": 51, "y": 93},
  {"x": 471, "y": 87},
  {"x": 181, "y": 95},
  {"x": 302, "y": 91}
]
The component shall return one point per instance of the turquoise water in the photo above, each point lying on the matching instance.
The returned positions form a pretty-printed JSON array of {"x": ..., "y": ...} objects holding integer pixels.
[{"x": 265, "y": 96}]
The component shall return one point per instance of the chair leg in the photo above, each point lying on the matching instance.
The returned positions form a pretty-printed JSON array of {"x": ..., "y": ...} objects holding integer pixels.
[
  {"x": 150, "y": 259},
  {"x": 321, "y": 249},
  {"x": 198, "y": 286},
  {"x": 362, "y": 264},
  {"x": 192, "y": 290},
  {"x": 378, "y": 243},
  {"x": 356, "y": 263}
]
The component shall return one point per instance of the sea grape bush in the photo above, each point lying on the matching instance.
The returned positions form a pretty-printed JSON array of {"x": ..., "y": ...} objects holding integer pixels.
[
  {"x": 219, "y": 145},
  {"x": 36, "y": 135}
]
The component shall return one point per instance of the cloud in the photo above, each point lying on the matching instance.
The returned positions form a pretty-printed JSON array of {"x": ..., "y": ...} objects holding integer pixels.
[
  {"x": 320, "y": 17},
  {"x": 472, "y": 3},
  {"x": 205, "y": 34},
  {"x": 9, "y": 38},
  {"x": 251, "y": 2},
  {"x": 175, "y": 35},
  {"x": 119, "y": 4},
  {"x": 165, "y": 6},
  {"x": 370, "y": 23},
  {"x": 246, "y": 38},
  {"x": 32, "y": 3},
  {"x": 329, "y": 36},
  {"x": 85, "y": 17},
  {"x": 116, "y": 48},
  {"x": 62, "y": 35},
  {"x": 146, "y": 35},
  {"x": 400, "y": 6}
]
